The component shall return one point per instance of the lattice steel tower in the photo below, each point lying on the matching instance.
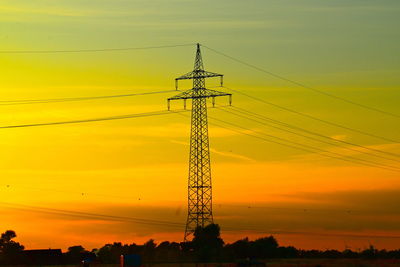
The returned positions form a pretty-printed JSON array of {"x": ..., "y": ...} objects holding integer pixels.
[{"x": 199, "y": 185}]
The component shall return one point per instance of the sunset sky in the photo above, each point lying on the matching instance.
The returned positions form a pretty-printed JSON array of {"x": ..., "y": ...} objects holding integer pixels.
[{"x": 138, "y": 167}]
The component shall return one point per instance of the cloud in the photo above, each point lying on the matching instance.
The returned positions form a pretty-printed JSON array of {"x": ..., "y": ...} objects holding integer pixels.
[
  {"x": 344, "y": 215},
  {"x": 351, "y": 6},
  {"x": 341, "y": 137},
  {"x": 63, "y": 12},
  {"x": 221, "y": 153},
  {"x": 354, "y": 152},
  {"x": 370, "y": 201},
  {"x": 231, "y": 155}
]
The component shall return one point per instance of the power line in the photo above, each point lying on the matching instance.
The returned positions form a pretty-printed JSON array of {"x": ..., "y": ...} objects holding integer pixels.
[
  {"x": 275, "y": 232},
  {"x": 82, "y": 193},
  {"x": 255, "y": 136},
  {"x": 316, "y": 150},
  {"x": 297, "y": 146},
  {"x": 91, "y": 215},
  {"x": 249, "y": 207},
  {"x": 251, "y": 118},
  {"x": 305, "y": 86},
  {"x": 315, "y": 139},
  {"x": 303, "y": 210},
  {"x": 66, "y": 99},
  {"x": 265, "y": 118},
  {"x": 301, "y": 147},
  {"x": 307, "y": 210},
  {"x": 144, "y": 221},
  {"x": 90, "y": 50},
  {"x": 121, "y": 117},
  {"x": 315, "y": 118}
]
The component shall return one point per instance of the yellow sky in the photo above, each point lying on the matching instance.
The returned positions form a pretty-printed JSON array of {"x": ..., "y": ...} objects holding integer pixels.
[{"x": 138, "y": 167}]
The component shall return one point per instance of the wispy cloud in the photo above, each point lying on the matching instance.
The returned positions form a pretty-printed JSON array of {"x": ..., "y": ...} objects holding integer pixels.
[
  {"x": 62, "y": 12},
  {"x": 345, "y": 151},
  {"x": 340, "y": 137},
  {"x": 221, "y": 153},
  {"x": 337, "y": 213}
]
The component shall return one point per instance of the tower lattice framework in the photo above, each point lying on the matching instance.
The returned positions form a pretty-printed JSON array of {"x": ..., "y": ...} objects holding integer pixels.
[{"x": 199, "y": 184}]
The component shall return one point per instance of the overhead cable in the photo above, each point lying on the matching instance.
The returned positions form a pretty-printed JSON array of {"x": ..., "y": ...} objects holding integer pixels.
[{"x": 303, "y": 85}]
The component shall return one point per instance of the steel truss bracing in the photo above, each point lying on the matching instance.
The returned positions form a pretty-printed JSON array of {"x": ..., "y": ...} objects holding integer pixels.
[{"x": 199, "y": 185}]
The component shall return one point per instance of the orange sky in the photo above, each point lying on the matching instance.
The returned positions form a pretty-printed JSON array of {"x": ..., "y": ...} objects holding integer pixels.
[{"x": 138, "y": 167}]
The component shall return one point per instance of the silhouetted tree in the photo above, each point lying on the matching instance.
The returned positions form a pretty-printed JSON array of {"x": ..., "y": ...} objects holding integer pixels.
[
  {"x": 148, "y": 250},
  {"x": 206, "y": 246},
  {"x": 331, "y": 254},
  {"x": 168, "y": 251},
  {"x": 370, "y": 253},
  {"x": 110, "y": 253},
  {"x": 106, "y": 254},
  {"x": 10, "y": 250},
  {"x": 238, "y": 249},
  {"x": 207, "y": 243},
  {"x": 287, "y": 252},
  {"x": 349, "y": 254},
  {"x": 265, "y": 247},
  {"x": 76, "y": 254}
]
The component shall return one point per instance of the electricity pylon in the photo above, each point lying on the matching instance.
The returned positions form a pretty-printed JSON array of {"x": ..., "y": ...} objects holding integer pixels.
[{"x": 199, "y": 185}]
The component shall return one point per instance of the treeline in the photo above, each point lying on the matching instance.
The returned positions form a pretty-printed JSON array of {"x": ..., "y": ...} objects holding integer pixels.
[{"x": 206, "y": 246}]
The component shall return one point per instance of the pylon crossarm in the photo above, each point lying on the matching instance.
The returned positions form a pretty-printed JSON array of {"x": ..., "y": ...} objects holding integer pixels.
[
  {"x": 205, "y": 93},
  {"x": 199, "y": 74}
]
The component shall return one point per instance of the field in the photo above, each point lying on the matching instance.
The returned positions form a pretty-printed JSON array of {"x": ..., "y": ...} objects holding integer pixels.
[
  {"x": 269, "y": 263},
  {"x": 332, "y": 263}
]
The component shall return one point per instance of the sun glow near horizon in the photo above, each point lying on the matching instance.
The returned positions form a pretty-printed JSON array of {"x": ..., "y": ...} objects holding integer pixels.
[{"x": 138, "y": 167}]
